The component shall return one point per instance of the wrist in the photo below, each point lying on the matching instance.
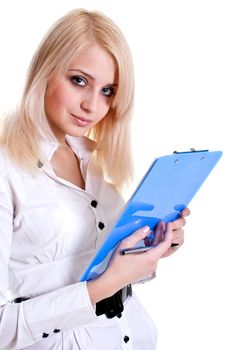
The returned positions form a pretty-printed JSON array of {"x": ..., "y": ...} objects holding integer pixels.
[{"x": 100, "y": 288}]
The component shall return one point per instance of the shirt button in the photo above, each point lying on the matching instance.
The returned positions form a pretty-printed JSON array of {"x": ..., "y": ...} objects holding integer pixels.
[
  {"x": 39, "y": 164},
  {"x": 56, "y": 330},
  {"x": 94, "y": 204},
  {"x": 45, "y": 335},
  {"x": 126, "y": 338},
  {"x": 101, "y": 225}
]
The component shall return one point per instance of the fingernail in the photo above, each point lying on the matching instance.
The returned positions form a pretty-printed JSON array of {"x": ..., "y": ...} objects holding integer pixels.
[{"x": 145, "y": 229}]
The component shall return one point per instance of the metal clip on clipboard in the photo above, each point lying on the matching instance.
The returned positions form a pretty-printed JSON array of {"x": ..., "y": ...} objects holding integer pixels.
[{"x": 191, "y": 150}]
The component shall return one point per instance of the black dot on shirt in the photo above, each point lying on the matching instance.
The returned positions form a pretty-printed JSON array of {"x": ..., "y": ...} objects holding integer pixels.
[
  {"x": 94, "y": 203},
  {"x": 126, "y": 338},
  {"x": 101, "y": 225},
  {"x": 56, "y": 330},
  {"x": 45, "y": 335}
]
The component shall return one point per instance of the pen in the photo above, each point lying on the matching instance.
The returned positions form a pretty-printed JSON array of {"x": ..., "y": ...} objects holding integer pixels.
[{"x": 136, "y": 250}]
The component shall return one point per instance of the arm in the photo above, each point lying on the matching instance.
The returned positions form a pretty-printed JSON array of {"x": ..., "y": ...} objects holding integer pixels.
[{"x": 24, "y": 324}]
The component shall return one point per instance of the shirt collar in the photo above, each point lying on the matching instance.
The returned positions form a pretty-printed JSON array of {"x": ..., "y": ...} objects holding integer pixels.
[{"x": 82, "y": 146}]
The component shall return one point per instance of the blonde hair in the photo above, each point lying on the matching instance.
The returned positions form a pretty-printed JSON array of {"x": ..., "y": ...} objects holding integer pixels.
[{"x": 68, "y": 37}]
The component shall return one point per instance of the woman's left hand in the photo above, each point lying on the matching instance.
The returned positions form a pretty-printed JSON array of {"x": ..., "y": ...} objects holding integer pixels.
[{"x": 177, "y": 232}]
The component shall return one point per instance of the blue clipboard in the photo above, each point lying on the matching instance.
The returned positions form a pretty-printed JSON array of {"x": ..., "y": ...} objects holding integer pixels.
[{"x": 166, "y": 189}]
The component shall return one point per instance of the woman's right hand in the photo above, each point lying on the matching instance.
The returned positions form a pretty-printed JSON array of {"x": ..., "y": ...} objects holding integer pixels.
[{"x": 130, "y": 268}]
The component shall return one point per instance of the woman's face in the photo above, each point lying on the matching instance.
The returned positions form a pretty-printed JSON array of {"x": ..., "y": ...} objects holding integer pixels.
[{"x": 80, "y": 98}]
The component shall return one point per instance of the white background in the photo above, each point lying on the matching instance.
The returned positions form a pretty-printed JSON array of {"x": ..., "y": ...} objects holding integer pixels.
[{"x": 184, "y": 84}]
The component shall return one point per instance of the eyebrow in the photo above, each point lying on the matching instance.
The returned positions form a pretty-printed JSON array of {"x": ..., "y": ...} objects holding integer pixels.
[{"x": 88, "y": 75}]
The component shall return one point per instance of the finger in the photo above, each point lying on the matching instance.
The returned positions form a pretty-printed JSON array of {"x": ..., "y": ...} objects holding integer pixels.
[
  {"x": 186, "y": 212},
  {"x": 155, "y": 235},
  {"x": 135, "y": 237},
  {"x": 177, "y": 233},
  {"x": 163, "y": 246},
  {"x": 178, "y": 223},
  {"x": 159, "y": 232}
]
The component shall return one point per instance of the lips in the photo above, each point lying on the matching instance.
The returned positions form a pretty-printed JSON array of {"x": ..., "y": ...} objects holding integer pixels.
[{"x": 81, "y": 121}]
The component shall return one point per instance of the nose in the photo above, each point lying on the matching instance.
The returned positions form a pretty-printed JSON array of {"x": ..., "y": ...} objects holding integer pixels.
[{"x": 90, "y": 102}]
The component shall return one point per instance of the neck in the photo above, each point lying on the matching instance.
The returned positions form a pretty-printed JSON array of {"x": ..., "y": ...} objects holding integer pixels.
[{"x": 63, "y": 144}]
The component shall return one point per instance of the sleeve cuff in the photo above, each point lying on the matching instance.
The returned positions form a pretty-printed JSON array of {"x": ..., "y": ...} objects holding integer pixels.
[{"x": 65, "y": 308}]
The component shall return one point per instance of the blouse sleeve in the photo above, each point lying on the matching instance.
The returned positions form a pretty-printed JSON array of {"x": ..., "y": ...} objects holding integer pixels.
[{"x": 26, "y": 323}]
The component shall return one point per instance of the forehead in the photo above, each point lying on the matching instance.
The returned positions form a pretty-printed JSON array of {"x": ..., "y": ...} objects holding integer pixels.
[{"x": 96, "y": 62}]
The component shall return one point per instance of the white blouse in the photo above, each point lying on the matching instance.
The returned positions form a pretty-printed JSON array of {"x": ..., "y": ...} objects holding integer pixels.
[{"x": 50, "y": 230}]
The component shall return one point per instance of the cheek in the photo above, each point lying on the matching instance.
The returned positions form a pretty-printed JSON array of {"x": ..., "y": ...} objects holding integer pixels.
[
  {"x": 59, "y": 98},
  {"x": 104, "y": 108}
]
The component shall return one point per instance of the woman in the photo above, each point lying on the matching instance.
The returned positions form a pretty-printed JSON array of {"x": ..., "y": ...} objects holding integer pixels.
[{"x": 65, "y": 157}]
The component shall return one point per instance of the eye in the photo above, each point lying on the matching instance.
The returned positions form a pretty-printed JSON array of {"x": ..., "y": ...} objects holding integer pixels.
[
  {"x": 78, "y": 80},
  {"x": 108, "y": 91}
]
